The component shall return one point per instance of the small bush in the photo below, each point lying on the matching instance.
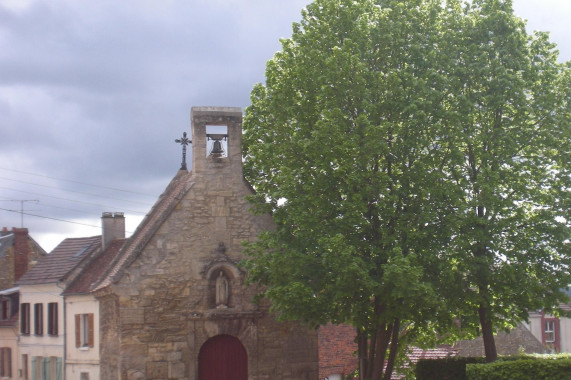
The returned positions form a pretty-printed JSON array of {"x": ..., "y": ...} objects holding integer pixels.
[{"x": 526, "y": 368}]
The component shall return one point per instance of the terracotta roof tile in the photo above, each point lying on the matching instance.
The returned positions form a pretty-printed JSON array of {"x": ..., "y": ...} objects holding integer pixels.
[
  {"x": 56, "y": 265},
  {"x": 95, "y": 269}
]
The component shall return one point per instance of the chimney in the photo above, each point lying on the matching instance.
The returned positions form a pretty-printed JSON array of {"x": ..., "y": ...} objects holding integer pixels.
[
  {"x": 113, "y": 225},
  {"x": 22, "y": 250}
]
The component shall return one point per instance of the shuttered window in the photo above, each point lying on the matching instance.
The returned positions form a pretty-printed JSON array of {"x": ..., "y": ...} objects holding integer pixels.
[
  {"x": 39, "y": 319},
  {"x": 52, "y": 318},
  {"x": 5, "y": 362},
  {"x": 84, "y": 334},
  {"x": 25, "y": 372},
  {"x": 25, "y": 318}
]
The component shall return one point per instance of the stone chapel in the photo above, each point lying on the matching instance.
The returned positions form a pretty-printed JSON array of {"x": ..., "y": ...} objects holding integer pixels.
[{"x": 173, "y": 303}]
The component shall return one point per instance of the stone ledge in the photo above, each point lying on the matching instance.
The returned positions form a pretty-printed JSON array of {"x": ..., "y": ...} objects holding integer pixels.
[{"x": 225, "y": 314}]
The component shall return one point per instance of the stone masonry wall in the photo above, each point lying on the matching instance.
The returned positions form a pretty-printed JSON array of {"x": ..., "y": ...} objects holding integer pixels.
[
  {"x": 109, "y": 336},
  {"x": 166, "y": 296}
]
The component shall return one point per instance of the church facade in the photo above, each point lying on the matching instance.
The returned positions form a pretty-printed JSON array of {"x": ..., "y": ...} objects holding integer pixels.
[{"x": 174, "y": 303}]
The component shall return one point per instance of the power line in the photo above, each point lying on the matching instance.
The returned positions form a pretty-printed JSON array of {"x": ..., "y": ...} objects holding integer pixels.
[
  {"x": 22, "y": 201},
  {"x": 86, "y": 211},
  {"x": 73, "y": 191},
  {"x": 58, "y": 220},
  {"x": 68, "y": 200},
  {"x": 79, "y": 182}
]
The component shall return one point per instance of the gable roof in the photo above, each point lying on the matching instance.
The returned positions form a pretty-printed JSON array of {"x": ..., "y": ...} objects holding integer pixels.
[
  {"x": 95, "y": 269},
  {"x": 6, "y": 242},
  {"x": 8, "y": 239},
  {"x": 506, "y": 343},
  {"x": 65, "y": 257},
  {"x": 160, "y": 211}
]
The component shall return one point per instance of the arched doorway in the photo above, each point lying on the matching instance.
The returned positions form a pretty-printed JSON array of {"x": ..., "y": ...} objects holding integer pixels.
[{"x": 223, "y": 357}]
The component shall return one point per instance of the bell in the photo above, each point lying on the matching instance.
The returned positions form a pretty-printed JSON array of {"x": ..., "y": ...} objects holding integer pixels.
[{"x": 217, "y": 148}]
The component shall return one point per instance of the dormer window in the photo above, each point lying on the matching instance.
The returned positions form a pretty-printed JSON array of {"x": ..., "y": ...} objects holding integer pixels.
[{"x": 5, "y": 309}]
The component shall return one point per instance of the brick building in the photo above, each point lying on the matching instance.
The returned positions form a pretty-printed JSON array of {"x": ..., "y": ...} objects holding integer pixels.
[{"x": 18, "y": 253}]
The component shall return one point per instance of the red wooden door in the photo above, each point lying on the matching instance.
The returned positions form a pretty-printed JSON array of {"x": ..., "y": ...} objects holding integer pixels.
[{"x": 223, "y": 357}]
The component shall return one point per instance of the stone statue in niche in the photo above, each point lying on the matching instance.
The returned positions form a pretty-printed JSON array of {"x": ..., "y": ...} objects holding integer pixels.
[{"x": 221, "y": 291}]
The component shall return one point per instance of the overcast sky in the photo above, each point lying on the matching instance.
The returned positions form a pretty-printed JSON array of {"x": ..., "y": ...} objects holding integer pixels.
[{"x": 93, "y": 94}]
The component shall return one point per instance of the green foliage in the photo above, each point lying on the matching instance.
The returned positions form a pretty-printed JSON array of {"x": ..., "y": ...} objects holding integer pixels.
[
  {"x": 338, "y": 150},
  {"x": 507, "y": 367},
  {"x": 415, "y": 159},
  {"x": 524, "y": 369},
  {"x": 508, "y": 107}
]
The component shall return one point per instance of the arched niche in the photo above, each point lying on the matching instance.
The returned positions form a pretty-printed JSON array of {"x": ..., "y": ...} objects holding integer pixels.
[{"x": 223, "y": 279}]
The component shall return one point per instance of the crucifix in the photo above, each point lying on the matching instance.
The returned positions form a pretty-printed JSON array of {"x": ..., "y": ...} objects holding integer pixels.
[{"x": 184, "y": 141}]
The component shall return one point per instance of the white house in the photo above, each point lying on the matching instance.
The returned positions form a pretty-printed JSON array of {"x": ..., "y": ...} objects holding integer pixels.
[
  {"x": 55, "y": 325},
  {"x": 42, "y": 308},
  {"x": 554, "y": 332},
  {"x": 82, "y": 353}
]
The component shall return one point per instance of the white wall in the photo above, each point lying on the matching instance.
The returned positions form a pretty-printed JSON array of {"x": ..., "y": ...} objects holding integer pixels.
[
  {"x": 565, "y": 324},
  {"x": 536, "y": 328},
  {"x": 82, "y": 359},
  {"x": 44, "y": 345},
  {"x": 9, "y": 339}
]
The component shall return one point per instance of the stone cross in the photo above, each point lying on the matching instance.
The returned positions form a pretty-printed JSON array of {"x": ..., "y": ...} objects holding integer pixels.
[{"x": 184, "y": 141}]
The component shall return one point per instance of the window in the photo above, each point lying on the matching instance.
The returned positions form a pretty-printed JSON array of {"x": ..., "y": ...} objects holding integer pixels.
[
  {"x": 84, "y": 330},
  {"x": 84, "y": 376},
  {"x": 25, "y": 367},
  {"x": 25, "y": 318},
  {"x": 550, "y": 331},
  {"x": 5, "y": 309},
  {"x": 46, "y": 368},
  {"x": 52, "y": 319},
  {"x": 39, "y": 319},
  {"x": 5, "y": 362}
]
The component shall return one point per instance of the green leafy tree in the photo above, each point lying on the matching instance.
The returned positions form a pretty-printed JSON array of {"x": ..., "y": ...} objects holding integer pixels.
[
  {"x": 508, "y": 103},
  {"x": 339, "y": 145},
  {"x": 414, "y": 157}
]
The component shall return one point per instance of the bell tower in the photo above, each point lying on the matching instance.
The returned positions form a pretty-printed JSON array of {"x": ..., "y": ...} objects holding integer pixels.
[{"x": 216, "y": 139}]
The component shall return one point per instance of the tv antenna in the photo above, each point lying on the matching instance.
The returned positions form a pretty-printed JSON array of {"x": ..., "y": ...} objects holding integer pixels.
[{"x": 22, "y": 201}]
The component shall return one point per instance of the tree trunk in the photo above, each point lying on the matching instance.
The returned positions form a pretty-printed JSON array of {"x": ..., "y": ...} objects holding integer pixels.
[
  {"x": 383, "y": 339},
  {"x": 487, "y": 334},
  {"x": 363, "y": 354},
  {"x": 393, "y": 350}
]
